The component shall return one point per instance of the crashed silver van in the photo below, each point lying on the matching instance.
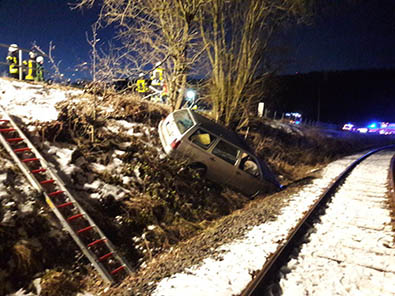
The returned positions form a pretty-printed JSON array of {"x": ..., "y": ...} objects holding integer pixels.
[{"x": 218, "y": 153}]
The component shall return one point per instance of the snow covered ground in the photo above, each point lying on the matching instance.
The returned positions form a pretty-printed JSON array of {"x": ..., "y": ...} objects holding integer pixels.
[
  {"x": 32, "y": 101},
  {"x": 351, "y": 250}
]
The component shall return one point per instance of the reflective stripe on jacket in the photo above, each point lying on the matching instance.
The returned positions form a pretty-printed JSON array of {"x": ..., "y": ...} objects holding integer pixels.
[
  {"x": 141, "y": 86},
  {"x": 31, "y": 69},
  {"x": 13, "y": 61}
]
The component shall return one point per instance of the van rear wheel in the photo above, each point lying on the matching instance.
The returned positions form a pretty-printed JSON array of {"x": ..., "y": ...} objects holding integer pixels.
[{"x": 199, "y": 168}]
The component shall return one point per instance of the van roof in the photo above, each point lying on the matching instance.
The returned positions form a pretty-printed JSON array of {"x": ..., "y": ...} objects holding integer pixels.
[{"x": 220, "y": 130}]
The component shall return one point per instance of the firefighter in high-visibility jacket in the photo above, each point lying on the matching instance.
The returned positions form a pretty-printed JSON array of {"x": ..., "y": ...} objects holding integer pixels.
[
  {"x": 30, "y": 66},
  {"x": 141, "y": 84},
  {"x": 13, "y": 61},
  {"x": 158, "y": 83},
  {"x": 157, "y": 76},
  {"x": 39, "y": 69}
]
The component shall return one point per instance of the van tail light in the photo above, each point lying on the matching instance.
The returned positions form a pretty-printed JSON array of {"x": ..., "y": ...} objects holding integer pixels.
[{"x": 175, "y": 144}]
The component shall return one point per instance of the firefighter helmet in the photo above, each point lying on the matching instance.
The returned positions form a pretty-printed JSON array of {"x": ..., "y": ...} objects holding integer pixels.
[
  {"x": 13, "y": 47},
  {"x": 40, "y": 59},
  {"x": 32, "y": 54}
]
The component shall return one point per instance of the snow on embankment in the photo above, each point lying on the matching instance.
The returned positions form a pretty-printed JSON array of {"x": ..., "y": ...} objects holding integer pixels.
[{"x": 32, "y": 102}]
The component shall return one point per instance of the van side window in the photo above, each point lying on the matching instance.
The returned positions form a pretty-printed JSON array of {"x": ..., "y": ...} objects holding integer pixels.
[
  {"x": 249, "y": 165},
  {"x": 202, "y": 138},
  {"x": 226, "y": 151},
  {"x": 183, "y": 121}
]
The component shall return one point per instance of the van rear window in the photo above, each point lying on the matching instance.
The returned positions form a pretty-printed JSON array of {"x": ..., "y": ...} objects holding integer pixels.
[{"x": 183, "y": 121}]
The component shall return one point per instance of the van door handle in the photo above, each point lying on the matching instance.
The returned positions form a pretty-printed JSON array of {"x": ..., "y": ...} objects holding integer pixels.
[{"x": 212, "y": 158}]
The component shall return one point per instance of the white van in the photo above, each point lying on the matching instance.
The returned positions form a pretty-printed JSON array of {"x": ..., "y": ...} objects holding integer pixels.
[{"x": 218, "y": 153}]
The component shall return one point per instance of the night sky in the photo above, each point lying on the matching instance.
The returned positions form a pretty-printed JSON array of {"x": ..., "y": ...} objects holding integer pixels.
[
  {"x": 343, "y": 37},
  {"x": 25, "y": 21}
]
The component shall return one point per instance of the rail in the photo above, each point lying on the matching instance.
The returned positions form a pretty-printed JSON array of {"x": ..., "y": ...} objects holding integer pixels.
[
  {"x": 299, "y": 230},
  {"x": 392, "y": 193}
]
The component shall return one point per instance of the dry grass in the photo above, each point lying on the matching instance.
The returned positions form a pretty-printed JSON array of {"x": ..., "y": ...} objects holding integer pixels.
[
  {"x": 293, "y": 156},
  {"x": 24, "y": 257},
  {"x": 56, "y": 282}
]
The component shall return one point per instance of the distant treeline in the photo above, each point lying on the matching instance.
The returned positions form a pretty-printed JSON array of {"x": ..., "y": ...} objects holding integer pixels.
[{"x": 355, "y": 95}]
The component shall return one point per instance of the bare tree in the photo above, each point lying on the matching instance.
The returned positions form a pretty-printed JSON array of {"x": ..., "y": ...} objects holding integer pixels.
[
  {"x": 161, "y": 31},
  {"x": 93, "y": 43},
  {"x": 56, "y": 74},
  {"x": 237, "y": 35},
  {"x": 234, "y": 34}
]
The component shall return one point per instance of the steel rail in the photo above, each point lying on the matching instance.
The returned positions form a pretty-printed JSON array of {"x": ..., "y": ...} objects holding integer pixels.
[
  {"x": 296, "y": 232},
  {"x": 391, "y": 177}
]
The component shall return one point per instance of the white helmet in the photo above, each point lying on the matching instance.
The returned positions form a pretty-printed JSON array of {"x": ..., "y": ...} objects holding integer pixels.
[
  {"x": 13, "y": 47},
  {"x": 157, "y": 64},
  {"x": 40, "y": 59},
  {"x": 141, "y": 74},
  {"x": 32, "y": 54}
]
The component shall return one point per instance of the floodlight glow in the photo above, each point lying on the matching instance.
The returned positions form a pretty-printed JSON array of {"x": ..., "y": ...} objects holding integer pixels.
[{"x": 191, "y": 94}]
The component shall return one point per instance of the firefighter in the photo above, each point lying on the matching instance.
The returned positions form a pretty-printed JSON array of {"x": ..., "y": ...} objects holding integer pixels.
[
  {"x": 13, "y": 61},
  {"x": 157, "y": 76},
  {"x": 157, "y": 84},
  {"x": 39, "y": 69},
  {"x": 141, "y": 84},
  {"x": 31, "y": 64}
]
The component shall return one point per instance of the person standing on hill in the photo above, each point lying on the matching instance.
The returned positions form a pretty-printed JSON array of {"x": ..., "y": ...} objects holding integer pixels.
[
  {"x": 39, "y": 69},
  {"x": 141, "y": 84},
  {"x": 157, "y": 76},
  {"x": 31, "y": 66},
  {"x": 13, "y": 61}
]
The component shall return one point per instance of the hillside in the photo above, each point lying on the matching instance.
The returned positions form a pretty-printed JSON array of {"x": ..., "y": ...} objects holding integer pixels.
[{"x": 161, "y": 217}]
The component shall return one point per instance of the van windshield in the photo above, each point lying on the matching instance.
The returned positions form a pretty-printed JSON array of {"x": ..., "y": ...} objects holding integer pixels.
[{"x": 183, "y": 120}]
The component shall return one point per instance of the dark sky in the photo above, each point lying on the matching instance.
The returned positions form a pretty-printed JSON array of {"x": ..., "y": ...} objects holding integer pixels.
[
  {"x": 347, "y": 35},
  {"x": 25, "y": 21},
  {"x": 358, "y": 36}
]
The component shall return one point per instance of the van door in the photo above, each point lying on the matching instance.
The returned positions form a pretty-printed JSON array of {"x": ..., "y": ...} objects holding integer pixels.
[
  {"x": 248, "y": 175},
  {"x": 223, "y": 158},
  {"x": 196, "y": 147}
]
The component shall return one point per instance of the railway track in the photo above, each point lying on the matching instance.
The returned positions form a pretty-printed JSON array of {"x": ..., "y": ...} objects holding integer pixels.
[{"x": 344, "y": 245}]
